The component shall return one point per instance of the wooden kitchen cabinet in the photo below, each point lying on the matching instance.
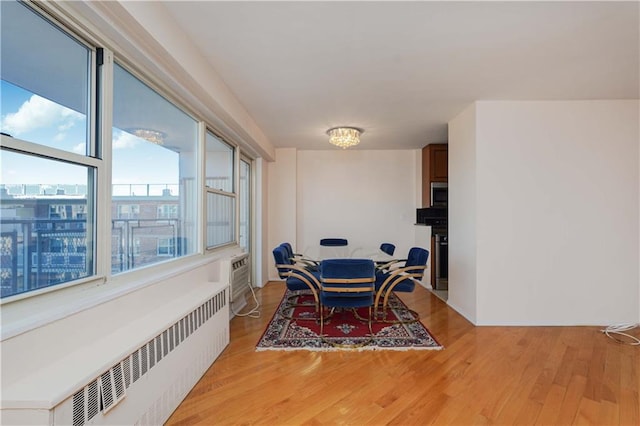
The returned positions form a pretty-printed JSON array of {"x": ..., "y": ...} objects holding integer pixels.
[
  {"x": 439, "y": 163},
  {"x": 435, "y": 160}
]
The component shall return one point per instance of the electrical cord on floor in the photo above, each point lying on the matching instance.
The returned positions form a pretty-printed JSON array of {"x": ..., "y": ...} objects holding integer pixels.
[
  {"x": 254, "y": 312},
  {"x": 617, "y": 333}
]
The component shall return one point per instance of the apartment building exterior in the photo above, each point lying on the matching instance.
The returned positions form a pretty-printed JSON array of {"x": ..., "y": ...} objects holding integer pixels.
[{"x": 44, "y": 232}]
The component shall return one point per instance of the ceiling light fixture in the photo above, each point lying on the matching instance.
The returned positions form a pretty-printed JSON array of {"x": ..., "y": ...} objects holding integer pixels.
[
  {"x": 344, "y": 137},
  {"x": 149, "y": 135}
]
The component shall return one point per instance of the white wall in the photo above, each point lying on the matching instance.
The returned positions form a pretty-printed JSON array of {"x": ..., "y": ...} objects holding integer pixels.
[
  {"x": 260, "y": 223},
  {"x": 366, "y": 196},
  {"x": 282, "y": 205},
  {"x": 462, "y": 214},
  {"x": 556, "y": 188}
]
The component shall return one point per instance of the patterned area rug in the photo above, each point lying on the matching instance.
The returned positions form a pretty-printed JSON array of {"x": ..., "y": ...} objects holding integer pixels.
[{"x": 343, "y": 328}]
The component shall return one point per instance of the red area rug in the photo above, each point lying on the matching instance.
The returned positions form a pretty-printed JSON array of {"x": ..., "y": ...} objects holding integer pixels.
[{"x": 342, "y": 329}]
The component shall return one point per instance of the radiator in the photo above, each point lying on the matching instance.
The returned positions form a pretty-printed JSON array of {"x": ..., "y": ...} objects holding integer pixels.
[
  {"x": 240, "y": 281},
  {"x": 145, "y": 387}
]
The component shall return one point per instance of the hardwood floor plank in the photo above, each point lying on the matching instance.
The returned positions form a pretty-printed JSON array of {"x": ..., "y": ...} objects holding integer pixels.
[
  {"x": 571, "y": 401},
  {"x": 551, "y": 406},
  {"x": 612, "y": 371},
  {"x": 588, "y": 411},
  {"x": 593, "y": 389},
  {"x": 629, "y": 407},
  {"x": 485, "y": 375},
  {"x": 629, "y": 401},
  {"x": 609, "y": 414}
]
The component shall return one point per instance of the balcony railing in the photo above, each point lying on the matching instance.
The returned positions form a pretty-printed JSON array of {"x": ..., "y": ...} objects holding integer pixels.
[
  {"x": 145, "y": 190},
  {"x": 118, "y": 190},
  {"x": 37, "y": 253},
  {"x": 138, "y": 242}
]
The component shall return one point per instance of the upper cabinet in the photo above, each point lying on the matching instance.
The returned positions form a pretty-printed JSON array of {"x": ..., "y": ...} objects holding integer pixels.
[
  {"x": 435, "y": 159},
  {"x": 438, "y": 162}
]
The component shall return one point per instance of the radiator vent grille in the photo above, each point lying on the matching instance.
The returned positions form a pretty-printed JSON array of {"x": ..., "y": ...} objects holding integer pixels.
[
  {"x": 112, "y": 387},
  {"x": 78, "y": 401},
  {"x": 240, "y": 269},
  {"x": 107, "y": 395},
  {"x": 93, "y": 403},
  {"x": 109, "y": 388},
  {"x": 126, "y": 368}
]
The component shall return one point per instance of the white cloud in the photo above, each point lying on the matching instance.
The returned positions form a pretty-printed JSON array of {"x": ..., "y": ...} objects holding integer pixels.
[
  {"x": 123, "y": 140},
  {"x": 65, "y": 126},
  {"x": 39, "y": 112},
  {"x": 81, "y": 148}
]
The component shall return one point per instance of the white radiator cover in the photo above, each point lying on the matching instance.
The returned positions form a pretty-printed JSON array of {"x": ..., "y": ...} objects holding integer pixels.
[
  {"x": 146, "y": 387},
  {"x": 128, "y": 359}
]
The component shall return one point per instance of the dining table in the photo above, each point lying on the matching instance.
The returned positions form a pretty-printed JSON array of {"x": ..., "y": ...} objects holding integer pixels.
[{"x": 318, "y": 253}]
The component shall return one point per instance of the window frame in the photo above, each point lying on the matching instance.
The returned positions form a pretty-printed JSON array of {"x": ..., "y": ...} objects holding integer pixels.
[
  {"x": 231, "y": 195},
  {"x": 104, "y": 53},
  {"x": 250, "y": 199},
  {"x": 91, "y": 160},
  {"x": 168, "y": 95}
]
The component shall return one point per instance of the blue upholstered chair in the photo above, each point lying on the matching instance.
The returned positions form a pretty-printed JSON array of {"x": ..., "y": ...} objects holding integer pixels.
[
  {"x": 333, "y": 242},
  {"x": 401, "y": 279},
  {"x": 347, "y": 284},
  {"x": 289, "y": 249},
  {"x": 388, "y": 248},
  {"x": 297, "y": 278},
  {"x": 308, "y": 264}
]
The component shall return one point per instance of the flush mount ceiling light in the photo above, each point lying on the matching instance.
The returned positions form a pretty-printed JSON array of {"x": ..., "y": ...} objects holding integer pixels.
[
  {"x": 344, "y": 137},
  {"x": 149, "y": 135}
]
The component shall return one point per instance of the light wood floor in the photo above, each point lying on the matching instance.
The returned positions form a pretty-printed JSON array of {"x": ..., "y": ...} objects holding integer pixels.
[{"x": 485, "y": 375}]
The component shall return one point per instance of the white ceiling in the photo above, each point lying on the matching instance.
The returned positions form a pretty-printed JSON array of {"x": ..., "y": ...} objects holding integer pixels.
[{"x": 402, "y": 70}]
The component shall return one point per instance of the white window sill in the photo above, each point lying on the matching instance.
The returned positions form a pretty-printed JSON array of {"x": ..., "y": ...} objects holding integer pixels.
[{"x": 28, "y": 313}]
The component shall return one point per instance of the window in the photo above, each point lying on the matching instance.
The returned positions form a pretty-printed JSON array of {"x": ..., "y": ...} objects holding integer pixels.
[
  {"x": 55, "y": 88},
  {"x": 128, "y": 211},
  {"x": 67, "y": 211},
  {"x": 167, "y": 211},
  {"x": 153, "y": 165},
  {"x": 48, "y": 161},
  {"x": 166, "y": 246},
  {"x": 220, "y": 196},
  {"x": 51, "y": 111},
  {"x": 245, "y": 204}
]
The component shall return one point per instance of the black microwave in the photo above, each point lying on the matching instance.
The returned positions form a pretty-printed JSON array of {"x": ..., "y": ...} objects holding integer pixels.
[{"x": 439, "y": 194}]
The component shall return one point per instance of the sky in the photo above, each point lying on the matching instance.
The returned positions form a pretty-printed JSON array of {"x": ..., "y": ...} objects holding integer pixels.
[{"x": 32, "y": 118}]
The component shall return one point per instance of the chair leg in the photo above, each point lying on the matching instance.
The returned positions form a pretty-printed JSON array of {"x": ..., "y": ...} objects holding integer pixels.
[
  {"x": 292, "y": 306},
  {"x": 330, "y": 315},
  {"x": 358, "y": 316},
  {"x": 297, "y": 294}
]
